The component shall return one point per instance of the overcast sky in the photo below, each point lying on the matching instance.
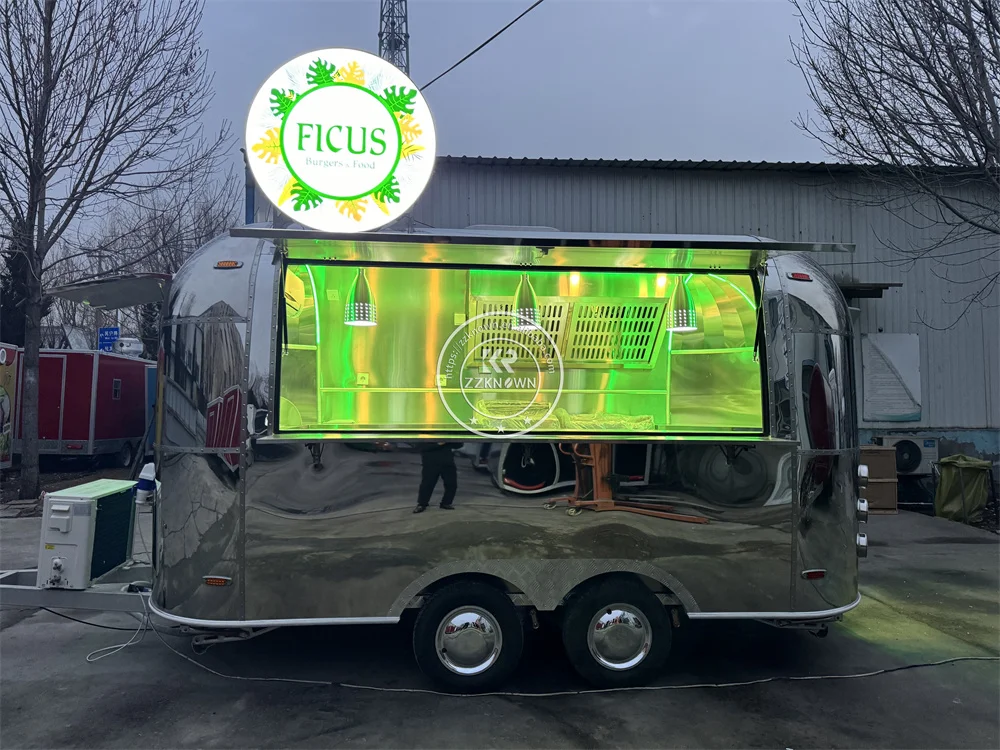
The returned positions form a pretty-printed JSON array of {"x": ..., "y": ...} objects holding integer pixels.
[{"x": 658, "y": 79}]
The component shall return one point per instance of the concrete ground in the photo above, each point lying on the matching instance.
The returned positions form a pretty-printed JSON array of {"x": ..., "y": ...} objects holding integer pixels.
[{"x": 931, "y": 588}]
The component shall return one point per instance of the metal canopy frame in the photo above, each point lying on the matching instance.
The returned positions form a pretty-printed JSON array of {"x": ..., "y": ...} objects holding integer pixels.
[
  {"x": 540, "y": 250},
  {"x": 866, "y": 289},
  {"x": 551, "y": 239},
  {"x": 117, "y": 291}
]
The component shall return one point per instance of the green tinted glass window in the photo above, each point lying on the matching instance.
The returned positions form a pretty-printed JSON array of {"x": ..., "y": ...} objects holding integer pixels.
[{"x": 434, "y": 350}]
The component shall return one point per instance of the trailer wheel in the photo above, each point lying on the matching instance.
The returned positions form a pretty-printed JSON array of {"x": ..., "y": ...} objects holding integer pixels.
[
  {"x": 468, "y": 637},
  {"x": 616, "y": 633},
  {"x": 125, "y": 455}
]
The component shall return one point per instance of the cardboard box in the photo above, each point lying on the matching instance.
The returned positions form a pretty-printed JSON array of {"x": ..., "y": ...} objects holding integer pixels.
[
  {"x": 881, "y": 495},
  {"x": 880, "y": 460}
]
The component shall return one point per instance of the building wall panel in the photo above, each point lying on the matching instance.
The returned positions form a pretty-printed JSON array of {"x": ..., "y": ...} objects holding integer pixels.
[
  {"x": 960, "y": 353},
  {"x": 960, "y": 348}
]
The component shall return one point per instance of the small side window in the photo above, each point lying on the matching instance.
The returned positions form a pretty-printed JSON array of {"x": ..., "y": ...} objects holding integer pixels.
[{"x": 116, "y": 389}]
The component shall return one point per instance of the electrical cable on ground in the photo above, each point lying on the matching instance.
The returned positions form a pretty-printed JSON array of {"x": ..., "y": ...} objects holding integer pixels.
[
  {"x": 140, "y": 633},
  {"x": 554, "y": 694},
  {"x": 523, "y": 14},
  {"x": 689, "y": 686},
  {"x": 146, "y": 624},
  {"x": 83, "y": 622}
]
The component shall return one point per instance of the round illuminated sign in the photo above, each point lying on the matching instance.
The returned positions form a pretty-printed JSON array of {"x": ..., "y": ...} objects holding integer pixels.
[{"x": 340, "y": 140}]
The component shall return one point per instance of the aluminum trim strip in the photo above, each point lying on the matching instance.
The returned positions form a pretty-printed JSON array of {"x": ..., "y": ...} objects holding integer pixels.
[
  {"x": 816, "y": 615},
  {"x": 62, "y": 397},
  {"x": 291, "y": 622},
  {"x": 245, "y": 431},
  {"x": 93, "y": 400},
  {"x": 336, "y": 437}
]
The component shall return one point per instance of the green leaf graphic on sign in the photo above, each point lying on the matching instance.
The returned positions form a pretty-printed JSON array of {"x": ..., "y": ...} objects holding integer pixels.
[
  {"x": 304, "y": 198},
  {"x": 282, "y": 101},
  {"x": 401, "y": 99},
  {"x": 321, "y": 73},
  {"x": 388, "y": 191}
]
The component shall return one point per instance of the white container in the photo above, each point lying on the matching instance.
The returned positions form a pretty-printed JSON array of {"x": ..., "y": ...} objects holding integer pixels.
[{"x": 146, "y": 486}]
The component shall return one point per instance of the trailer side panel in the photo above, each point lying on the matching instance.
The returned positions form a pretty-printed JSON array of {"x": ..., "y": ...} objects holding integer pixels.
[{"x": 121, "y": 399}]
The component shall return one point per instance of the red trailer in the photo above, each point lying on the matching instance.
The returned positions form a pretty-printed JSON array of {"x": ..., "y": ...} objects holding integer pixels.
[{"x": 90, "y": 404}]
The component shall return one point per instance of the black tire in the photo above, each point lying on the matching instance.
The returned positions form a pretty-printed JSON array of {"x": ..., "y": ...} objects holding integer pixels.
[
  {"x": 125, "y": 456},
  {"x": 599, "y": 598},
  {"x": 500, "y": 610}
]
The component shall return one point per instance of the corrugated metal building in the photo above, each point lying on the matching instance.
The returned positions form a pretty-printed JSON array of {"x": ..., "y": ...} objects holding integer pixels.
[{"x": 959, "y": 353}]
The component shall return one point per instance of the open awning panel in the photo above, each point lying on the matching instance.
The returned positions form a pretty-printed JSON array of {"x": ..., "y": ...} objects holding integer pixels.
[
  {"x": 117, "y": 292},
  {"x": 479, "y": 248}
]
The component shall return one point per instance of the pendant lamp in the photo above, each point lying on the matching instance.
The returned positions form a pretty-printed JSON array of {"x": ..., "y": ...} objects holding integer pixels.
[
  {"x": 680, "y": 315},
  {"x": 525, "y": 306},
  {"x": 360, "y": 307}
]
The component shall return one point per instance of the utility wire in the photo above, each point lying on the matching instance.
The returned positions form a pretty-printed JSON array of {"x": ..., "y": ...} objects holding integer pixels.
[{"x": 523, "y": 14}]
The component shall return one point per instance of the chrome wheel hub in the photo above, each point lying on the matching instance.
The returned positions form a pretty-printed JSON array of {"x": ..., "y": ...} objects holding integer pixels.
[
  {"x": 619, "y": 637},
  {"x": 468, "y": 640}
]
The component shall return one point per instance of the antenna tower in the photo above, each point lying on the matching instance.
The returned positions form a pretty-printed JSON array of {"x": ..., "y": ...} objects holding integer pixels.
[{"x": 393, "y": 34}]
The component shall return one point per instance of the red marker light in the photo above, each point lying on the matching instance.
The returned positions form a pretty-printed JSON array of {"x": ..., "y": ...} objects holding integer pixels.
[{"x": 800, "y": 277}]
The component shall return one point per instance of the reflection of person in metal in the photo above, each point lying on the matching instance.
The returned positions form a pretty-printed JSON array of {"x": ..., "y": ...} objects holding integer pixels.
[{"x": 437, "y": 461}]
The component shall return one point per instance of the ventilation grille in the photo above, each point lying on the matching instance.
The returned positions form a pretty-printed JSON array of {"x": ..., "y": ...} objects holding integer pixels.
[
  {"x": 551, "y": 317},
  {"x": 589, "y": 332},
  {"x": 623, "y": 333}
]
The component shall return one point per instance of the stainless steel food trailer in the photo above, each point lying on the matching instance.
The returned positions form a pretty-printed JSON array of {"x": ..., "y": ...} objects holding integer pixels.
[{"x": 654, "y": 427}]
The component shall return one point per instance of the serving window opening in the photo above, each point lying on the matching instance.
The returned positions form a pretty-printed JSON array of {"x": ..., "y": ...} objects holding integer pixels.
[{"x": 562, "y": 352}]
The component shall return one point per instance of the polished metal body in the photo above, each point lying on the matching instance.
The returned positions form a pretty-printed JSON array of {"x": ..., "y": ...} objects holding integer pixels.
[{"x": 310, "y": 529}]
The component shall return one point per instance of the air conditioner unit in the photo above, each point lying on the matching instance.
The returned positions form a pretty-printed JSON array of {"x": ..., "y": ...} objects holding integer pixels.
[
  {"x": 86, "y": 532},
  {"x": 915, "y": 455}
]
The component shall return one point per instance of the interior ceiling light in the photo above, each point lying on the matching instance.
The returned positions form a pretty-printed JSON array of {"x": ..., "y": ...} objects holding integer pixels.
[
  {"x": 525, "y": 306},
  {"x": 360, "y": 307},
  {"x": 680, "y": 315}
]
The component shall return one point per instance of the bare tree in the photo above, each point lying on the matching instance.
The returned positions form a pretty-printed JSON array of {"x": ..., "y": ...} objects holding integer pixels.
[
  {"x": 154, "y": 236},
  {"x": 101, "y": 102},
  {"x": 910, "y": 90}
]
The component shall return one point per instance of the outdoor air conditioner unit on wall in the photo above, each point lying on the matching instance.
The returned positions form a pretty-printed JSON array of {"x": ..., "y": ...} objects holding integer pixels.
[{"x": 915, "y": 455}]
